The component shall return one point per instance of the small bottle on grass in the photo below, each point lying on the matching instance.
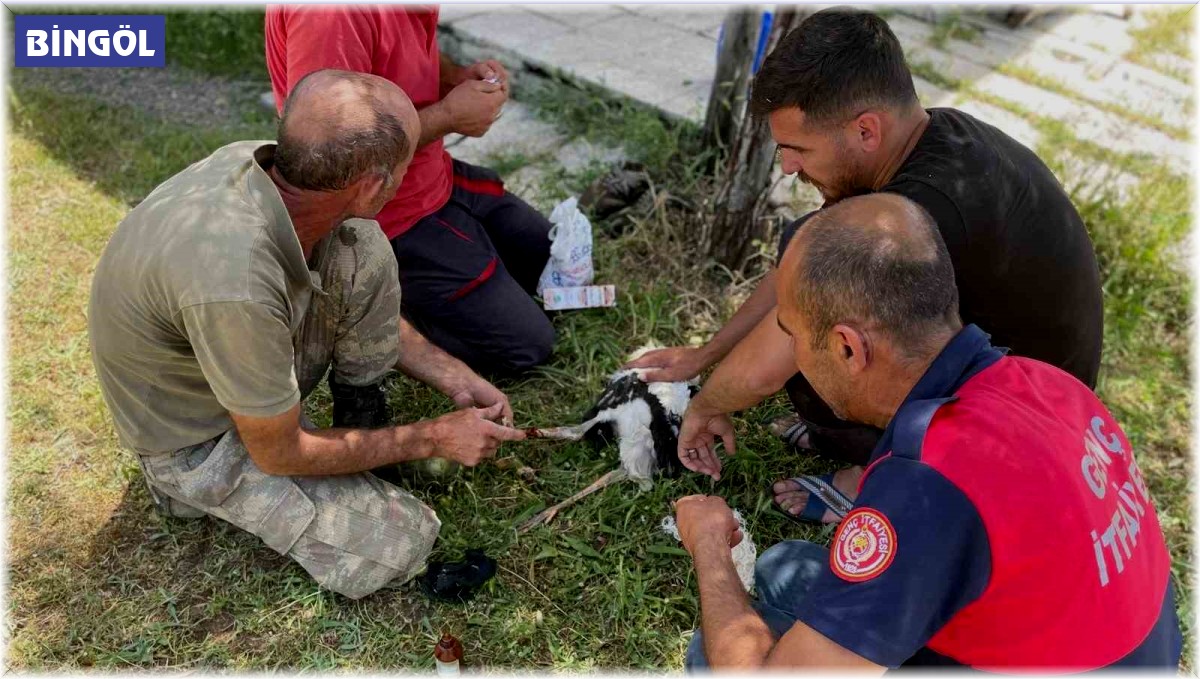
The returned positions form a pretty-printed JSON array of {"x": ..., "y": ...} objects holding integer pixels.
[{"x": 448, "y": 655}]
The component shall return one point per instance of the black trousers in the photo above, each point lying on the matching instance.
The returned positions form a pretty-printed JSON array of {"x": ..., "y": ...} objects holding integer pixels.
[
  {"x": 468, "y": 273},
  {"x": 831, "y": 437}
]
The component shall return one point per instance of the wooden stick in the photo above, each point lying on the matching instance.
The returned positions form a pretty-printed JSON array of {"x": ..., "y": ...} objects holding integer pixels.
[{"x": 547, "y": 515}]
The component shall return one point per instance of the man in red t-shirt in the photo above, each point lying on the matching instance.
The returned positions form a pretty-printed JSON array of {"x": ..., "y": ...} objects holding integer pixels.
[{"x": 469, "y": 252}]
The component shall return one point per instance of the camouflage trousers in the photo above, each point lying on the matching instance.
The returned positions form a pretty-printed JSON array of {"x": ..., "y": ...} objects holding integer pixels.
[{"x": 353, "y": 533}]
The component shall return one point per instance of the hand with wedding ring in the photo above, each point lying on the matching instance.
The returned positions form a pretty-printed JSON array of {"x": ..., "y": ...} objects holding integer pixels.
[{"x": 698, "y": 434}]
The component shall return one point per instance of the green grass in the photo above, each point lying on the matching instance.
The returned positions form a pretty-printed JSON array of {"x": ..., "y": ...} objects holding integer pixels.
[
  {"x": 226, "y": 41},
  {"x": 1168, "y": 31},
  {"x": 927, "y": 71},
  {"x": 507, "y": 162},
  {"x": 1055, "y": 85},
  {"x": 97, "y": 579},
  {"x": 950, "y": 25},
  {"x": 649, "y": 138}
]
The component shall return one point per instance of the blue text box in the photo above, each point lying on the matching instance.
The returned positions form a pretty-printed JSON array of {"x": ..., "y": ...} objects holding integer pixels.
[{"x": 90, "y": 40}]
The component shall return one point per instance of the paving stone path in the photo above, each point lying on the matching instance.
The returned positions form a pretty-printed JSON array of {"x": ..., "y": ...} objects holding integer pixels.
[{"x": 1068, "y": 67}]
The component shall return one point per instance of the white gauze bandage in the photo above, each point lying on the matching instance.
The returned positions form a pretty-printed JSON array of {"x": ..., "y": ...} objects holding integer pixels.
[{"x": 744, "y": 555}]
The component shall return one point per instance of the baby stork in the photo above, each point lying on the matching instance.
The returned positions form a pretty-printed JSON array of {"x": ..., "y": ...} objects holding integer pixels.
[{"x": 644, "y": 419}]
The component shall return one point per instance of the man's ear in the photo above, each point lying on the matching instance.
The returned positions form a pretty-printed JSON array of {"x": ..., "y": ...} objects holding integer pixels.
[
  {"x": 365, "y": 191},
  {"x": 853, "y": 347},
  {"x": 867, "y": 128}
]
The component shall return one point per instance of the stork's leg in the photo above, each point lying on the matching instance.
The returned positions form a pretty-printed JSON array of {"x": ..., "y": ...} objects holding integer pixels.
[
  {"x": 548, "y": 514},
  {"x": 561, "y": 433}
]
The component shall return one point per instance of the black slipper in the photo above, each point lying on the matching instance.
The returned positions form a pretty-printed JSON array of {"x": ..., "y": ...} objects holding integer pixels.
[{"x": 457, "y": 581}]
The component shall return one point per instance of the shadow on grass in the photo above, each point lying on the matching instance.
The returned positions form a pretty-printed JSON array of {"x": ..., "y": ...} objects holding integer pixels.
[
  {"x": 125, "y": 153},
  {"x": 145, "y": 588}
]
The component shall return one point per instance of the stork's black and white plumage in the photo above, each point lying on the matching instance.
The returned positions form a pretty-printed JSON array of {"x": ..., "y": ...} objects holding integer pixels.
[{"x": 643, "y": 418}]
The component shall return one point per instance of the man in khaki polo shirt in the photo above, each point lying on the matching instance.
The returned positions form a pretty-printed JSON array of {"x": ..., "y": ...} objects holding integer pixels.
[{"x": 225, "y": 296}]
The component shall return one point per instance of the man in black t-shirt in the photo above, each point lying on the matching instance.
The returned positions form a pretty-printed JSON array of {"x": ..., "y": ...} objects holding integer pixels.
[{"x": 842, "y": 108}]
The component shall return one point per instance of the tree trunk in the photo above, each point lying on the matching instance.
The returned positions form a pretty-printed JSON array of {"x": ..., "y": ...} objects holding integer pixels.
[
  {"x": 737, "y": 219},
  {"x": 727, "y": 101}
]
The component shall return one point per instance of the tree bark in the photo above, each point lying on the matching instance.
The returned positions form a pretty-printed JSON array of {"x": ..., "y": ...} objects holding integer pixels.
[
  {"x": 737, "y": 221},
  {"x": 727, "y": 101}
]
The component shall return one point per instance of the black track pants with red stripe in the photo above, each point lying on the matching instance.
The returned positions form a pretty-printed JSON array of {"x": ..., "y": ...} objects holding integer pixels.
[{"x": 468, "y": 274}]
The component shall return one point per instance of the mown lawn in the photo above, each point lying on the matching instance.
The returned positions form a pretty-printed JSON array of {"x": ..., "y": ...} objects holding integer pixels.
[{"x": 97, "y": 579}]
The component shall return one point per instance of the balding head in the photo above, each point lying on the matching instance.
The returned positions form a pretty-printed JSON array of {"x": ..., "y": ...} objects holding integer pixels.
[
  {"x": 874, "y": 261},
  {"x": 338, "y": 125}
]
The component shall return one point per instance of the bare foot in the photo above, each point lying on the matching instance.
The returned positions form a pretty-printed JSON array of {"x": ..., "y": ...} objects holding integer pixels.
[
  {"x": 782, "y": 427},
  {"x": 783, "y": 423},
  {"x": 791, "y": 497}
]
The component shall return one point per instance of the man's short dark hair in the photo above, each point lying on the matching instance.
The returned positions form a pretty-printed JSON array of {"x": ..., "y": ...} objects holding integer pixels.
[
  {"x": 836, "y": 64},
  {"x": 333, "y": 163},
  {"x": 899, "y": 277}
]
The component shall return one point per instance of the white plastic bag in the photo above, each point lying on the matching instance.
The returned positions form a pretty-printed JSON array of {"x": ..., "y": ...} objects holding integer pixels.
[{"x": 570, "y": 263}]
